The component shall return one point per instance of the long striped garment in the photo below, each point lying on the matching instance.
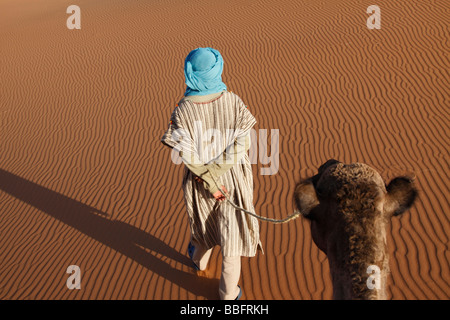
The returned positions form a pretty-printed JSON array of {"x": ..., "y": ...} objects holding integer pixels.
[{"x": 204, "y": 131}]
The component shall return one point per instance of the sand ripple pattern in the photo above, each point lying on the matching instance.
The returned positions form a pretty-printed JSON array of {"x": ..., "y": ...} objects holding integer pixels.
[{"x": 85, "y": 181}]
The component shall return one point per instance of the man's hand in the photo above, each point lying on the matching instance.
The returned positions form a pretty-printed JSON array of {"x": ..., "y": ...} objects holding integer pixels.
[
  {"x": 198, "y": 179},
  {"x": 219, "y": 196}
]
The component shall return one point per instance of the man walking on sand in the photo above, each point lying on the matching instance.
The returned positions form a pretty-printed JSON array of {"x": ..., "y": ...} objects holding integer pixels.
[{"x": 210, "y": 128}]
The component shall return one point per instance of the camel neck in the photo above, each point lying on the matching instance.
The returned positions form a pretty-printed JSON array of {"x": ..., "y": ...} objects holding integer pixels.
[{"x": 364, "y": 273}]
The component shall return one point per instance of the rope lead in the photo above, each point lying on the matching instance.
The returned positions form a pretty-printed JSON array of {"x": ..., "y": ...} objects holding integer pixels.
[{"x": 293, "y": 216}]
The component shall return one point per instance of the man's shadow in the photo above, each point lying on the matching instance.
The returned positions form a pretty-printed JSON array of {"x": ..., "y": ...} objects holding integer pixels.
[{"x": 120, "y": 236}]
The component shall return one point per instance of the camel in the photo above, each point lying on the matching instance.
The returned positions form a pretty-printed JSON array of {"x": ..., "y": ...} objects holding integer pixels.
[{"x": 349, "y": 206}]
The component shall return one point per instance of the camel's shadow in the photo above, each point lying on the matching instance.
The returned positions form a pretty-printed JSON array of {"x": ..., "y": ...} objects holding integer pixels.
[{"x": 120, "y": 236}]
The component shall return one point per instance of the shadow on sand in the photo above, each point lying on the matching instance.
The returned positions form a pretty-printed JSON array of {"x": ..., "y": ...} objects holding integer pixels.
[{"x": 120, "y": 236}]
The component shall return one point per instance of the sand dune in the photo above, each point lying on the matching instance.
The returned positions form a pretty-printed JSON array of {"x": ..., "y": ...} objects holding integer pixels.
[{"x": 84, "y": 179}]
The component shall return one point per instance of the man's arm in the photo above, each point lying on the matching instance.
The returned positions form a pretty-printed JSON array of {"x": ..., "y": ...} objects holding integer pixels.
[{"x": 211, "y": 172}]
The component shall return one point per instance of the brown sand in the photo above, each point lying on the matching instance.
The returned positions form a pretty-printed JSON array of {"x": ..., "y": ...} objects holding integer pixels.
[{"x": 84, "y": 179}]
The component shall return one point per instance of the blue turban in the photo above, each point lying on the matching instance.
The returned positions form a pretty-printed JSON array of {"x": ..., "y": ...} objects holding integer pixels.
[{"x": 203, "y": 72}]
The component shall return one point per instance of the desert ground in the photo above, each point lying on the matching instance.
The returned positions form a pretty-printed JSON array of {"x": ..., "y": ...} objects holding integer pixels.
[{"x": 85, "y": 180}]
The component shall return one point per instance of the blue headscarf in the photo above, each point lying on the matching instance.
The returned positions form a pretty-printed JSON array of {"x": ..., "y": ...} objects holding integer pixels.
[{"x": 203, "y": 72}]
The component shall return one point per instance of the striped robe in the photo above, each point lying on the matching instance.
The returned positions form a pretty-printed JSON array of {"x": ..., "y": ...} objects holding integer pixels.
[{"x": 212, "y": 222}]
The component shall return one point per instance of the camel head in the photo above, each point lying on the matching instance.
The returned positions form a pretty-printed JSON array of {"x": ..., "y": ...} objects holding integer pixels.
[{"x": 349, "y": 207}]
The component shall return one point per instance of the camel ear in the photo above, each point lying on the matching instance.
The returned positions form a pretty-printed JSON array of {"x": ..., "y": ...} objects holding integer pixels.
[
  {"x": 305, "y": 198},
  {"x": 401, "y": 194}
]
